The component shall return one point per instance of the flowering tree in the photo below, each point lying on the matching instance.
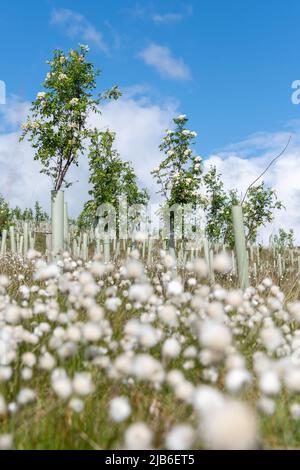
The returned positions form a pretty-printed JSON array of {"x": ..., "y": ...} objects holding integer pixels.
[
  {"x": 111, "y": 178},
  {"x": 182, "y": 181},
  {"x": 58, "y": 124},
  {"x": 179, "y": 174}
]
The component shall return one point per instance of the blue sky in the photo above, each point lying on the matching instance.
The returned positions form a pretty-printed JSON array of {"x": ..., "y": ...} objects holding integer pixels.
[
  {"x": 242, "y": 56},
  {"x": 227, "y": 64}
]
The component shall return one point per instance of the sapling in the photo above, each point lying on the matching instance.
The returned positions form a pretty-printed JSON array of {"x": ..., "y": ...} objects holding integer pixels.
[
  {"x": 179, "y": 173},
  {"x": 258, "y": 208},
  {"x": 58, "y": 126},
  {"x": 111, "y": 179},
  {"x": 40, "y": 215},
  {"x": 5, "y": 214},
  {"x": 284, "y": 239}
]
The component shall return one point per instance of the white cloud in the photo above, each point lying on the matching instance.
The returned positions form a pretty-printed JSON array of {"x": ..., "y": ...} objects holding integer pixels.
[
  {"x": 167, "y": 18},
  {"x": 239, "y": 168},
  {"x": 160, "y": 57},
  {"x": 147, "y": 11},
  {"x": 139, "y": 126},
  {"x": 77, "y": 26},
  {"x": 15, "y": 112}
]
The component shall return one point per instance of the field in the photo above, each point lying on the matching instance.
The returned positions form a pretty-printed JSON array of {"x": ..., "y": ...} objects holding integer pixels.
[
  {"x": 149, "y": 228},
  {"x": 144, "y": 352}
]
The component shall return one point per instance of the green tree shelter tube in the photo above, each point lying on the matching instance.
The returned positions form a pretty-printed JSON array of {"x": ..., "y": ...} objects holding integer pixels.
[
  {"x": 12, "y": 239},
  {"x": 3, "y": 242},
  {"x": 240, "y": 246},
  {"x": 25, "y": 235},
  {"x": 66, "y": 227},
  {"x": 57, "y": 221}
]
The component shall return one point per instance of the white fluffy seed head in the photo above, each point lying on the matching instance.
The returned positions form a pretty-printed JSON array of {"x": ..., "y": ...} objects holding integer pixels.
[
  {"x": 206, "y": 399},
  {"x": 235, "y": 298},
  {"x": 230, "y": 427},
  {"x": 145, "y": 367},
  {"x": 12, "y": 314},
  {"x": 47, "y": 362},
  {"x": 26, "y": 396},
  {"x": 46, "y": 272},
  {"x": 295, "y": 411},
  {"x": 167, "y": 314},
  {"x": 271, "y": 338},
  {"x": 26, "y": 373},
  {"x": 83, "y": 384},
  {"x": 214, "y": 335},
  {"x": 181, "y": 437},
  {"x": 236, "y": 379},
  {"x": 140, "y": 292},
  {"x": 91, "y": 331},
  {"x": 77, "y": 405},
  {"x": 138, "y": 437},
  {"x": 171, "y": 348},
  {"x": 200, "y": 268},
  {"x": 269, "y": 383},
  {"x": 292, "y": 379},
  {"x": 62, "y": 387},
  {"x": 134, "y": 269},
  {"x": 119, "y": 409},
  {"x": 6, "y": 441},
  {"x": 222, "y": 263},
  {"x": 175, "y": 377},
  {"x": 174, "y": 288},
  {"x": 266, "y": 406},
  {"x": 294, "y": 310},
  {"x": 29, "y": 359},
  {"x": 184, "y": 391}
]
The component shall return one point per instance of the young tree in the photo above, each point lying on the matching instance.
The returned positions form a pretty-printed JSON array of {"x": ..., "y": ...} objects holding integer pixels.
[
  {"x": 110, "y": 177},
  {"x": 284, "y": 239},
  {"x": 217, "y": 207},
  {"x": 5, "y": 214},
  {"x": 16, "y": 214},
  {"x": 12, "y": 216},
  {"x": 183, "y": 182},
  {"x": 58, "y": 125},
  {"x": 40, "y": 216},
  {"x": 258, "y": 208},
  {"x": 179, "y": 175},
  {"x": 87, "y": 217},
  {"x": 27, "y": 215}
]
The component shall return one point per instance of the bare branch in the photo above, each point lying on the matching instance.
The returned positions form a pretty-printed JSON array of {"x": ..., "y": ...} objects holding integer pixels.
[{"x": 266, "y": 169}]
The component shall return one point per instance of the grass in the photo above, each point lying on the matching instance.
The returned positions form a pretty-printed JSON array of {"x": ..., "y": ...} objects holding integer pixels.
[{"x": 50, "y": 424}]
